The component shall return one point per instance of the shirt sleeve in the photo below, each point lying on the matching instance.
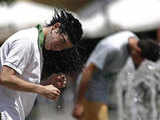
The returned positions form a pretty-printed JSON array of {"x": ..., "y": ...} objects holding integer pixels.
[
  {"x": 103, "y": 54},
  {"x": 19, "y": 55}
]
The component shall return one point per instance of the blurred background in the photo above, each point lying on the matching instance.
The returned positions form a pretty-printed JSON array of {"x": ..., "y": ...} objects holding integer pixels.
[
  {"x": 13, "y": 13},
  {"x": 99, "y": 18}
]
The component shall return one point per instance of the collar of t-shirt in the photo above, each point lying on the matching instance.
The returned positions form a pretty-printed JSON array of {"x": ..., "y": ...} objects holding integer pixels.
[{"x": 40, "y": 36}]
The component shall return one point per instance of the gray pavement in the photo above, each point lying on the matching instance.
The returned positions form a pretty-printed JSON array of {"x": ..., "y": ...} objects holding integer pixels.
[{"x": 45, "y": 109}]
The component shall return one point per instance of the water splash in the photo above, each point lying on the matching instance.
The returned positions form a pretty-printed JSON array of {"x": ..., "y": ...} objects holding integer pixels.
[{"x": 138, "y": 92}]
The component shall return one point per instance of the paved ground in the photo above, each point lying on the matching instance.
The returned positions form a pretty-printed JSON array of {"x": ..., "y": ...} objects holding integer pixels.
[{"x": 46, "y": 109}]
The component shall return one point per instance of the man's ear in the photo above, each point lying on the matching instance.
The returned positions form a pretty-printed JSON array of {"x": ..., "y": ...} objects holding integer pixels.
[{"x": 134, "y": 43}]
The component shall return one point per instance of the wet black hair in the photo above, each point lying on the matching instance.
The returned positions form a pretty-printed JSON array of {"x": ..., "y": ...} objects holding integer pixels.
[
  {"x": 150, "y": 49},
  {"x": 66, "y": 61},
  {"x": 69, "y": 24}
]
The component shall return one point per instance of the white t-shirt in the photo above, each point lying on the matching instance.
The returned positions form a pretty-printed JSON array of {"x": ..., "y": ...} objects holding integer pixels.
[
  {"x": 21, "y": 52},
  {"x": 110, "y": 55}
]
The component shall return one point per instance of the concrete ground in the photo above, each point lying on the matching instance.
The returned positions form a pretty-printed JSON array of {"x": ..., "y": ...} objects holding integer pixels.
[{"x": 47, "y": 110}]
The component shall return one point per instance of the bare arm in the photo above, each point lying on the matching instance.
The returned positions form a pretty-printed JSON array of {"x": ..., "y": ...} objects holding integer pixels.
[
  {"x": 9, "y": 78},
  {"x": 86, "y": 77}
]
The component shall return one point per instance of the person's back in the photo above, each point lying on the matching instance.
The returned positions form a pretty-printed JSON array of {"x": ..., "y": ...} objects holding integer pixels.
[
  {"x": 102, "y": 68},
  {"x": 109, "y": 64}
]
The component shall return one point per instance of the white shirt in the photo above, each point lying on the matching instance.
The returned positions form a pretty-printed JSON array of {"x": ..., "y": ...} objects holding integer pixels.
[
  {"x": 110, "y": 56},
  {"x": 21, "y": 53}
]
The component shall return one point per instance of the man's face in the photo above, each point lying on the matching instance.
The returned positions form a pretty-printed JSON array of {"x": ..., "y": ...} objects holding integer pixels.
[
  {"x": 136, "y": 56},
  {"x": 57, "y": 41}
]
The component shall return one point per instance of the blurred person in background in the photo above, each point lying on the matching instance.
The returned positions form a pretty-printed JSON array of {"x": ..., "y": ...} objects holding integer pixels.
[
  {"x": 104, "y": 64},
  {"x": 21, "y": 62}
]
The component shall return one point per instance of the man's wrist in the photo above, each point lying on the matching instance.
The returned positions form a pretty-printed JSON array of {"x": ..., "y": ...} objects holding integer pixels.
[{"x": 38, "y": 88}]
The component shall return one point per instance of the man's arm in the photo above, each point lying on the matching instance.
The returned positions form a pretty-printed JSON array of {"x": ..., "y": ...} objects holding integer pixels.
[
  {"x": 86, "y": 76},
  {"x": 9, "y": 78}
]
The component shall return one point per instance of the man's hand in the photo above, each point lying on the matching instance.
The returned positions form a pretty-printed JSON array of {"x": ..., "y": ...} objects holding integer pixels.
[
  {"x": 50, "y": 92},
  {"x": 58, "y": 80},
  {"x": 77, "y": 111}
]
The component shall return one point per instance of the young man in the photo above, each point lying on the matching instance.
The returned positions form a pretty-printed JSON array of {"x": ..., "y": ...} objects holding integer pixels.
[
  {"x": 104, "y": 64},
  {"x": 21, "y": 61}
]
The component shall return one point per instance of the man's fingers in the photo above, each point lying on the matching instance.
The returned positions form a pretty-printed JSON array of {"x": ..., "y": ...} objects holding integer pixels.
[
  {"x": 53, "y": 97},
  {"x": 59, "y": 80},
  {"x": 56, "y": 90}
]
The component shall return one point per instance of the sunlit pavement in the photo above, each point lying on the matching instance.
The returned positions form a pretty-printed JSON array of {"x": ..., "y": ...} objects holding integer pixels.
[{"x": 47, "y": 110}]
